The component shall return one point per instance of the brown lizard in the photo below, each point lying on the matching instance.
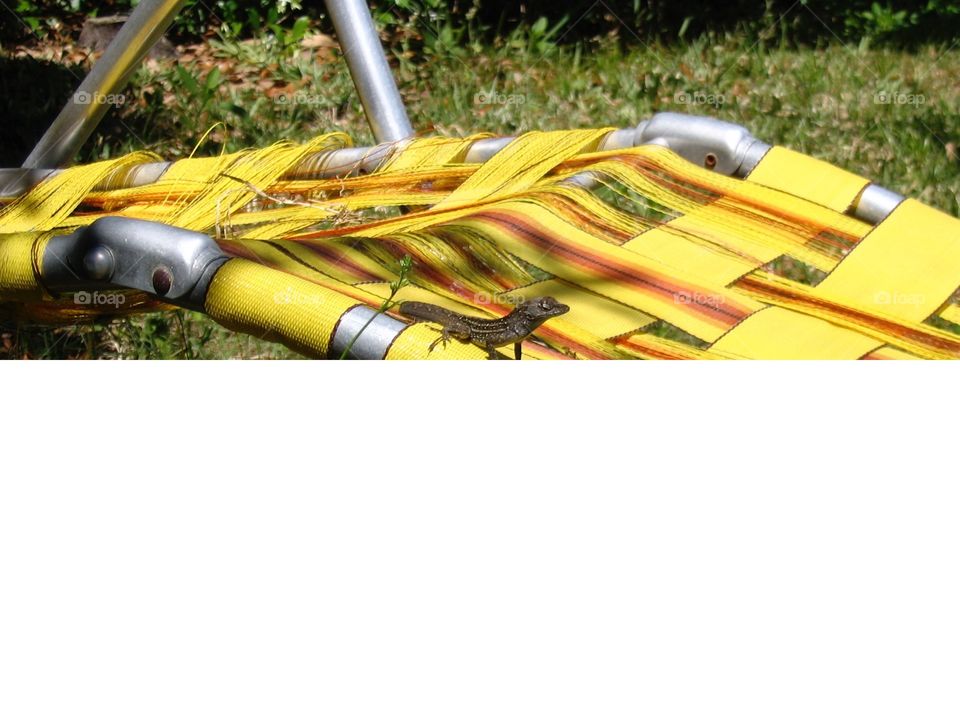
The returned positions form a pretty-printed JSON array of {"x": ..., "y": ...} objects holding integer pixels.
[{"x": 487, "y": 333}]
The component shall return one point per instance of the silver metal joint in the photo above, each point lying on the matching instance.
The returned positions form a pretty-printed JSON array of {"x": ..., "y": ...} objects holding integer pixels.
[
  {"x": 366, "y": 332},
  {"x": 99, "y": 262},
  {"x": 875, "y": 203},
  {"x": 714, "y": 144},
  {"x": 113, "y": 252}
]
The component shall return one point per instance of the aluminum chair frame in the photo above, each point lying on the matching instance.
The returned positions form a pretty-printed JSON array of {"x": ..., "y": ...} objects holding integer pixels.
[{"x": 110, "y": 252}]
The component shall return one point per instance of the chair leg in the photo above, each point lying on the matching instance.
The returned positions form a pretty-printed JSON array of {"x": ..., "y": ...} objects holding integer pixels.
[
  {"x": 87, "y": 106},
  {"x": 371, "y": 74}
]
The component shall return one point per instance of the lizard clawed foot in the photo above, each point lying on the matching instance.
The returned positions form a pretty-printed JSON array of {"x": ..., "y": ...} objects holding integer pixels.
[{"x": 444, "y": 338}]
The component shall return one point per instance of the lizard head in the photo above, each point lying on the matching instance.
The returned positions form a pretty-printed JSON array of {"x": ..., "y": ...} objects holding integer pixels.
[{"x": 542, "y": 308}]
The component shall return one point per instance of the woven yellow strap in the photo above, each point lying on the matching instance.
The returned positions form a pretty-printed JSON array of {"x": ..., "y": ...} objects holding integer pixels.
[
  {"x": 430, "y": 152},
  {"x": 781, "y": 334},
  {"x": 530, "y": 157},
  {"x": 711, "y": 242},
  {"x": 809, "y": 178},
  {"x": 18, "y": 281},
  {"x": 898, "y": 275},
  {"x": 50, "y": 204},
  {"x": 906, "y": 268},
  {"x": 659, "y": 242},
  {"x": 274, "y": 305},
  {"x": 414, "y": 344}
]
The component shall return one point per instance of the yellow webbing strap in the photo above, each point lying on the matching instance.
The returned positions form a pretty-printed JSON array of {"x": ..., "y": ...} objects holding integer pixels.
[
  {"x": 431, "y": 152},
  {"x": 222, "y": 194},
  {"x": 414, "y": 344},
  {"x": 777, "y": 333},
  {"x": 530, "y": 157},
  {"x": 573, "y": 254},
  {"x": 906, "y": 268},
  {"x": 809, "y": 178},
  {"x": 703, "y": 242},
  {"x": 917, "y": 338},
  {"x": 275, "y": 305},
  {"x": 50, "y": 204},
  {"x": 18, "y": 281}
]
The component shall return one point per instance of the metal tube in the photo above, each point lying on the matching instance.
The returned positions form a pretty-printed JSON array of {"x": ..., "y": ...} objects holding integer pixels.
[
  {"x": 873, "y": 206},
  {"x": 367, "y": 332},
  {"x": 87, "y": 106},
  {"x": 876, "y": 203},
  {"x": 368, "y": 66},
  {"x": 344, "y": 162}
]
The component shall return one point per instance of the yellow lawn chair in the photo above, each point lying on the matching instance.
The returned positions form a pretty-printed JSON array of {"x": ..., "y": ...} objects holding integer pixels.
[{"x": 672, "y": 224}]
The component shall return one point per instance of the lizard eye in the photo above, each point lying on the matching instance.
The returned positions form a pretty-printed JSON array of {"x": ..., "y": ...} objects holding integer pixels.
[{"x": 545, "y": 304}]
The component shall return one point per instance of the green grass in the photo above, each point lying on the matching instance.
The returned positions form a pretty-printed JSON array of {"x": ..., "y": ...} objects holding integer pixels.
[{"x": 892, "y": 116}]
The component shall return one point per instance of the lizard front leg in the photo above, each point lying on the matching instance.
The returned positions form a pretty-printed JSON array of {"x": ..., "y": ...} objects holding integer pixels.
[
  {"x": 446, "y": 333},
  {"x": 444, "y": 338}
]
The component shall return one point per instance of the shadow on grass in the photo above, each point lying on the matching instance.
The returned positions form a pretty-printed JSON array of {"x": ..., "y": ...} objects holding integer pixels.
[{"x": 33, "y": 92}]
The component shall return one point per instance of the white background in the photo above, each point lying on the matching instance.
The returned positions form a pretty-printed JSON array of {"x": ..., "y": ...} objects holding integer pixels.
[{"x": 494, "y": 540}]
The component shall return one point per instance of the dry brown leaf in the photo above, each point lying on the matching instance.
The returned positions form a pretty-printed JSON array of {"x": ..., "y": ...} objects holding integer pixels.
[{"x": 317, "y": 40}]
